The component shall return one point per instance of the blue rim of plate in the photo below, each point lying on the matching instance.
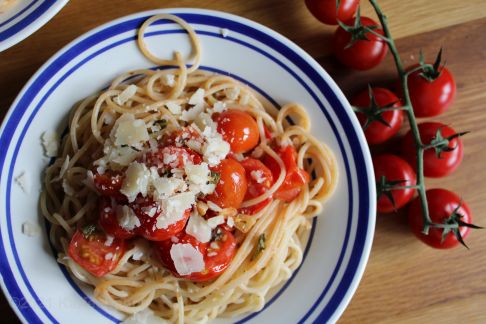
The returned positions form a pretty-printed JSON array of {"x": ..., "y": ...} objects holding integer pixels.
[
  {"x": 41, "y": 12},
  {"x": 359, "y": 251}
]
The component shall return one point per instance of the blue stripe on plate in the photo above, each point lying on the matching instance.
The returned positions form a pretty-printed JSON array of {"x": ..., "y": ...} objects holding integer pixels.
[
  {"x": 19, "y": 13},
  {"x": 34, "y": 15},
  {"x": 71, "y": 53}
]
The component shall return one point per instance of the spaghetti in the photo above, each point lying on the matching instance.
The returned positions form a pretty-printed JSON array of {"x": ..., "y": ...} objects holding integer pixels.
[{"x": 268, "y": 233}]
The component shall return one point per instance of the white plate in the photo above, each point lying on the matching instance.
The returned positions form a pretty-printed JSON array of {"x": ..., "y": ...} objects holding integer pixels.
[
  {"x": 40, "y": 290},
  {"x": 24, "y": 17}
]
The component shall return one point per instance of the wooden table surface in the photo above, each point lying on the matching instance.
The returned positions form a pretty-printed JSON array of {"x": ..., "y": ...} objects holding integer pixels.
[{"x": 405, "y": 281}]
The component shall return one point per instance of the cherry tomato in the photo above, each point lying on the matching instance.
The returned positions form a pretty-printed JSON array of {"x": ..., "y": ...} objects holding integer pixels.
[
  {"x": 90, "y": 251},
  {"x": 441, "y": 203},
  {"x": 377, "y": 132},
  {"x": 217, "y": 254},
  {"x": 394, "y": 168},
  {"x": 109, "y": 221},
  {"x": 295, "y": 177},
  {"x": 259, "y": 179},
  {"x": 325, "y": 10},
  {"x": 180, "y": 136},
  {"x": 232, "y": 185},
  {"x": 431, "y": 98},
  {"x": 109, "y": 184},
  {"x": 363, "y": 54},
  {"x": 239, "y": 129},
  {"x": 171, "y": 157},
  {"x": 147, "y": 211},
  {"x": 433, "y": 166}
]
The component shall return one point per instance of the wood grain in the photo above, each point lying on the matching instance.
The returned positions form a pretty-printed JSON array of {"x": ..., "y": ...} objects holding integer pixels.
[{"x": 405, "y": 282}]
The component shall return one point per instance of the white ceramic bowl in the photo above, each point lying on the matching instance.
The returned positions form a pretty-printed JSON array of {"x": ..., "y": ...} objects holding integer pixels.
[
  {"x": 24, "y": 17},
  {"x": 40, "y": 290}
]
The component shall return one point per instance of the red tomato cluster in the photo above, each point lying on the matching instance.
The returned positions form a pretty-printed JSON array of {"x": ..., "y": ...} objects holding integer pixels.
[
  {"x": 357, "y": 44},
  {"x": 99, "y": 249}
]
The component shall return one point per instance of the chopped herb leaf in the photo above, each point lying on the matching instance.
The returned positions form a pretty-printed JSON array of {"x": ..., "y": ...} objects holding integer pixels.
[
  {"x": 88, "y": 230},
  {"x": 162, "y": 123},
  {"x": 261, "y": 246},
  {"x": 215, "y": 176},
  {"x": 217, "y": 233}
]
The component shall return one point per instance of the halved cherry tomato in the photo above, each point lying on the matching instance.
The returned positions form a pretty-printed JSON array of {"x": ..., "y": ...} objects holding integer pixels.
[
  {"x": 259, "y": 179},
  {"x": 295, "y": 178},
  {"x": 393, "y": 169},
  {"x": 325, "y": 10},
  {"x": 363, "y": 54},
  {"x": 442, "y": 204},
  {"x": 232, "y": 185},
  {"x": 239, "y": 129},
  {"x": 109, "y": 221},
  {"x": 378, "y": 132},
  {"x": 109, "y": 184},
  {"x": 431, "y": 98},
  {"x": 434, "y": 166},
  {"x": 90, "y": 251},
  {"x": 217, "y": 255},
  {"x": 171, "y": 157},
  {"x": 147, "y": 211}
]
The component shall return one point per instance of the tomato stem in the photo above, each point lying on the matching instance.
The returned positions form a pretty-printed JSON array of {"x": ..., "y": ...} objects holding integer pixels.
[{"x": 403, "y": 75}]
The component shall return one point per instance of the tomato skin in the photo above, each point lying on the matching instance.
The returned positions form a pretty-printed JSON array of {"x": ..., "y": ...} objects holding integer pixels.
[
  {"x": 433, "y": 166},
  {"x": 109, "y": 184},
  {"x": 256, "y": 189},
  {"x": 377, "y": 133},
  {"x": 394, "y": 168},
  {"x": 109, "y": 222},
  {"x": 325, "y": 10},
  {"x": 89, "y": 252},
  {"x": 431, "y": 98},
  {"x": 181, "y": 155},
  {"x": 295, "y": 177},
  {"x": 141, "y": 206},
  {"x": 239, "y": 129},
  {"x": 363, "y": 54},
  {"x": 232, "y": 185},
  {"x": 216, "y": 260},
  {"x": 441, "y": 204}
]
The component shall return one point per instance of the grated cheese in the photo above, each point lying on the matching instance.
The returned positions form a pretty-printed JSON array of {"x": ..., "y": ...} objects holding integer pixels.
[
  {"x": 50, "y": 142},
  {"x": 174, "y": 108},
  {"x": 125, "y": 95},
  {"x": 30, "y": 229},
  {"x": 136, "y": 181},
  {"x": 129, "y": 131},
  {"x": 174, "y": 208},
  {"x": 199, "y": 228},
  {"x": 198, "y": 97},
  {"x": 187, "y": 259},
  {"x": 127, "y": 218},
  {"x": 257, "y": 175},
  {"x": 168, "y": 80}
]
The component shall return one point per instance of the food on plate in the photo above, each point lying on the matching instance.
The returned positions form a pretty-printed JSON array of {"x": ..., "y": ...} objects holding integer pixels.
[
  {"x": 6, "y": 4},
  {"x": 182, "y": 193}
]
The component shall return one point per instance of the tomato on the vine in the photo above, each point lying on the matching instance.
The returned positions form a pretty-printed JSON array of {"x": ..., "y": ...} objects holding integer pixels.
[
  {"x": 445, "y": 207},
  {"x": 384, "y": 125},
  {"x": 435, "y": 165},
  {"x": 391, "y": 170},
  {"x": 431, "y": 96},
  {"x": 325, "y": 10},
  {"x": 362, "y": 54}
]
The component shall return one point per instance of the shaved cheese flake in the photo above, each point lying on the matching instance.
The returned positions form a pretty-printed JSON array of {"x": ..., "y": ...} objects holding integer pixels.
[
  {"x": 199, "y": 228},
  {"x": 230, "y": 221},
  {"x": 174, "y": 108},
  {"x": 68, "y": 190},
  {"x": 257, "y": 175},
  {"x": 136, "y": 181},
  {"x": 126, "y": 217},
  {"x": 187, "y": 259},
  {"x": 215, "y": 149},
  {"x": 232, "y": 93},
  {"x": 215, "y": 221},
  {"x": 198, "y": 174},
  {"x": 214, "y": 207},
  {"x": 109, "y": 240},
  {"x": 191, "y": 114},
  {"x": 129, "y": 131},
  {"x": 166, "y": 187},
  {"x": 174, "y": 208},
  {"x": 125, "y": 95},
  {"x": 50, "y": 142},
  {"x": 198, "y": 97},
  {"x": 168, "y": 80},
  {"x": 30, "y": 229},
  {"x": 146, "y": 316},
  {"x": 23, "y": 181},
  {"x": 224, "y": 32},
  {"x": 219, "y": 106}
]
